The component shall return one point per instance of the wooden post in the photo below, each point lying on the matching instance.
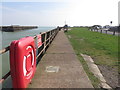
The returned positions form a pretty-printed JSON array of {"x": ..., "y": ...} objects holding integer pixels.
[
  {"x": 106, "y": 31},
  {"x": 114, "y": 32},
  {"x": 45, "y": 43},
  {"x": 36, "y": 44},
  {"x": 101, "y": 31},
  {"x": 50, "y": 37}
]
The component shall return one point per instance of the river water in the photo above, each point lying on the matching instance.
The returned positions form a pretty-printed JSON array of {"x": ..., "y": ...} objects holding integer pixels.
[{"x": 5, "y": 40}]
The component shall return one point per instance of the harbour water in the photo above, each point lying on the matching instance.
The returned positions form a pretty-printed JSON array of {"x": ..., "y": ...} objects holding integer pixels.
[{"x": 6, "y": 38}]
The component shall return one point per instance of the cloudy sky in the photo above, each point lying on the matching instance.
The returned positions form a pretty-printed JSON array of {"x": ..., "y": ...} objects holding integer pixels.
[{"x": 57, "y": 12}]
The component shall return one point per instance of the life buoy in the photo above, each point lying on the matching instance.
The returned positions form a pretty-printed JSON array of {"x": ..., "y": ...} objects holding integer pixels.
[{"x": 22, "y": 61}]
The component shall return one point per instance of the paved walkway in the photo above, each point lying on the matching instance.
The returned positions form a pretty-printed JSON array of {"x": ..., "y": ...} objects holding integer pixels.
[{"x": 70, "y": 74}]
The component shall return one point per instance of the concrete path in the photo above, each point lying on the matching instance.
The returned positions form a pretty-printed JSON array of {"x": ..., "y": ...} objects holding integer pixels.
[{"x": 70, "y": 74}]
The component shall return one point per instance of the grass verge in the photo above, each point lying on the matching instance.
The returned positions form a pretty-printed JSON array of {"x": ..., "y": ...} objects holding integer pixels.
[{"x": 101, "y": 47}]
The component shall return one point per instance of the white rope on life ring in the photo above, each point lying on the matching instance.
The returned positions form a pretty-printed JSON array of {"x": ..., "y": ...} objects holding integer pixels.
[{"x": 24, "y": 64}]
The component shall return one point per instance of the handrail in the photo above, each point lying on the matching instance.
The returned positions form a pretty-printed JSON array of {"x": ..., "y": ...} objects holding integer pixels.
[
  {"x": 4, "y": 50},
  {"x": 5, "y": 77},
  {"x": 51, "y": 35}
]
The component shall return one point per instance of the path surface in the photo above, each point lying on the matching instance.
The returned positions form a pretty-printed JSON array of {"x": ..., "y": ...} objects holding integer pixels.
[{"x": 70, "y": 74}]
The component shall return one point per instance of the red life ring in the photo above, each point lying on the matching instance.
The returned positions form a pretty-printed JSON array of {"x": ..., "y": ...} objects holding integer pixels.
[{"x": 22, "y": 61}]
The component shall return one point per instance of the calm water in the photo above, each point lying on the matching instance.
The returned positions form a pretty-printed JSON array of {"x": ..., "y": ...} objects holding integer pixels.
[{"x": 5, "y": 40}]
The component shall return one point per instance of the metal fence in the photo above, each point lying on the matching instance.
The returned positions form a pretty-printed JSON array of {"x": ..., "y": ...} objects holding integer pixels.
[{"x": 105, "y": 31}]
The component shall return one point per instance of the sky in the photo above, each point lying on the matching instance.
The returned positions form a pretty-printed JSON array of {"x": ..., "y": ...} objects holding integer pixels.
[{"x": 59, "y": 12}]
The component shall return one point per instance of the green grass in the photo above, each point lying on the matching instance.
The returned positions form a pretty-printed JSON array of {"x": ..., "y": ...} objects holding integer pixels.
[{"x": 101, "y": 47}]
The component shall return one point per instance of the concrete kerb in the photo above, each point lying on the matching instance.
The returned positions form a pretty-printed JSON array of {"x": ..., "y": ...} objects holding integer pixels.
[{"x": 95, "y": 70}]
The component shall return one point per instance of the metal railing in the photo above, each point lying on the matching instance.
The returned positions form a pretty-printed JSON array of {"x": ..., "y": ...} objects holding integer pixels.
[
  {"x": 105, "y": 31},
  {"x": 46, "y": 37}
]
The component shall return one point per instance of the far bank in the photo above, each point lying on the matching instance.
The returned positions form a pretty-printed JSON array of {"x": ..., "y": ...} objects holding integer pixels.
[{"x": 13, "y": 28}]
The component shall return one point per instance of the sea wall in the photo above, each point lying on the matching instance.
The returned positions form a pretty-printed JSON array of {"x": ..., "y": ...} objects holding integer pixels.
[{"x": 16, "y": 28}]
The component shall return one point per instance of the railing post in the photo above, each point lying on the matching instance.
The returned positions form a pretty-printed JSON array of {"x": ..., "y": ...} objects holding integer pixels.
[
  {"x": 1, "y": 71},
  {"x": 36, "y": 44},
  {"x": 106, "y": 31},
  {"x": 114, "y": 32},
  {"x": 45, "y": 43},
  {"x": 50, "y": 37}
]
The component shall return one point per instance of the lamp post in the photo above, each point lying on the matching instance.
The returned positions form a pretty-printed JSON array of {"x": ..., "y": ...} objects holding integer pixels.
[{"x": 111, "y": 23}]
